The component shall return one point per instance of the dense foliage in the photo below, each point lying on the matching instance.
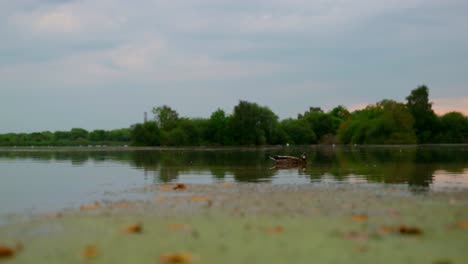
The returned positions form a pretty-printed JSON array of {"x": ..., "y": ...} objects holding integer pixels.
[
  {"x": 425, "y": 120},
  {"x": 386, "y": 122},
  {"x": 146, "y": 134},
  {"x": 74, "y": 137}
]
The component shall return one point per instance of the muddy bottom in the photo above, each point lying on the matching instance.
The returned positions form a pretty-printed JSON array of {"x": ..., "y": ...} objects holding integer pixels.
[{"x": 250, "y": 223}]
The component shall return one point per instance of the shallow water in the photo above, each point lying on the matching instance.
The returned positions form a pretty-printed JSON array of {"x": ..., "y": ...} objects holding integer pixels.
[{"x": 35, "y": 180}]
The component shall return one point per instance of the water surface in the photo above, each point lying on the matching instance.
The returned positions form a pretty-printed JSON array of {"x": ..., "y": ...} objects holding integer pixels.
[{"x": 34, "y": 180}]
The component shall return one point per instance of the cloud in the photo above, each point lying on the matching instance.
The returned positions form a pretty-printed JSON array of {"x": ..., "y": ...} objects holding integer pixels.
[
  {"x": 204, "y": 16},
  {"x": 144, "y": 61},
  {"x": 57, "y": 22},
  {"x": 286, "y": 54},
  {"x": 286, "y": 17},
  {"x": 59, "y": 18},
  {"x": 135, "y": 56}
]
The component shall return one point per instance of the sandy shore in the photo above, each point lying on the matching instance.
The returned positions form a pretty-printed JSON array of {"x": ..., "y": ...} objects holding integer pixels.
[{"x": 251, "y": 223}]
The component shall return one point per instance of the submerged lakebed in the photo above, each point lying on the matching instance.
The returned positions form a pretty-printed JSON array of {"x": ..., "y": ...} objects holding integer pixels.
[
  {"x": 396, "y": 204},
  {"x": 251, "y": 223}
]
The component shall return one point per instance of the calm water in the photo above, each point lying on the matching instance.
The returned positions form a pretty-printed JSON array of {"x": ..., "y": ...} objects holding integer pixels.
[{"x": 32, "y": 181}]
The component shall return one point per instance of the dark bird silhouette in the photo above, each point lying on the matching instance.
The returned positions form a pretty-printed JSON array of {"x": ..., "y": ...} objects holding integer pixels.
[{"x": 290, "y": 160}]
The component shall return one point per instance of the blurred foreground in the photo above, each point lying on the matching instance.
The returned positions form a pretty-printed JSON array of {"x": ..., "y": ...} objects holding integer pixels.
[{"x": 250, "y": 223}]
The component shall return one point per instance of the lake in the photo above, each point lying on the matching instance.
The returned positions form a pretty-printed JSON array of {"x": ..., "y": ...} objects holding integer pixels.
[{"x": 36, "y": 180}]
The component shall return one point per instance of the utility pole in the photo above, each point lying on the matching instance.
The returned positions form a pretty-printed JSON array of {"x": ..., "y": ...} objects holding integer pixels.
[{"x": 146, "y": 117}]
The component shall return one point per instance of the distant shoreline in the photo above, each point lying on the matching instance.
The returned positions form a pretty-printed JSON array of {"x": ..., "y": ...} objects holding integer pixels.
[{"x": 209, "y": 148}]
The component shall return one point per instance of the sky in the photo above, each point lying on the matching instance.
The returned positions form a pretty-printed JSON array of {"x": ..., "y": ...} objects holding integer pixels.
[{"x": 100, "y": 64}]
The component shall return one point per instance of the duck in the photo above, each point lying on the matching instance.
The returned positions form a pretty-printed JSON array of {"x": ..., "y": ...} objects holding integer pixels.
[{"x": 290, "y": 160}]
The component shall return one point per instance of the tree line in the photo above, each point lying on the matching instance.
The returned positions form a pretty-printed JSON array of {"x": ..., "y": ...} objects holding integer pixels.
[
  {"x": 74, "y": 137},
  {"x": 385, "y": 122}
]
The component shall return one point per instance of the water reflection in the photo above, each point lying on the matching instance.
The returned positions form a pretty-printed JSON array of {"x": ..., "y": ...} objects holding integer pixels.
[{"x": 415, "y": 166}]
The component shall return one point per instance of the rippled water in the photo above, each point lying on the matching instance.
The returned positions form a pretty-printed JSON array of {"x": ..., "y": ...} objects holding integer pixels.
[{"x": 49, "y": 179}]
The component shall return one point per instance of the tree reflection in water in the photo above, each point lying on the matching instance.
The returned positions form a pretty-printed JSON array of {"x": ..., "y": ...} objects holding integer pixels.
[{"x": 412, "y": 165}]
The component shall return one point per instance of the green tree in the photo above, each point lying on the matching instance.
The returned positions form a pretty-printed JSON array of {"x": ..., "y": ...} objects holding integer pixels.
[
  {"x": 177, "y": 137},
  {"x": 252, "y": 124},
  {"x": 298, "y": 131},
  {"x": 193, "y": 130},
  {"x": 62, "y": 137},
  {"x": 337, "y": 116},
  {"x": 118, "y": 135},
  {"x": 453, "y": 128},
  {"x": 146, "y": 134},
  {"x": 217, "y": 130},
  {"x": 78, "y": 133},
  {"x": 340, "y": 112},
  {"x": 97, "y": 135},
  {"x": 323, "y": 124},
  {"x": 397, "y": 123},
  {"x": 165, "y": 117},
  {"x": 425, "y": 120},
  {"x": 387, "y": 122},
  {"x": 41, "y": 138}
]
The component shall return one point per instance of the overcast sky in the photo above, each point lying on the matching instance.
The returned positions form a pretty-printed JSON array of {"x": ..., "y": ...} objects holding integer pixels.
[{"x": 102, "y": 63}]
